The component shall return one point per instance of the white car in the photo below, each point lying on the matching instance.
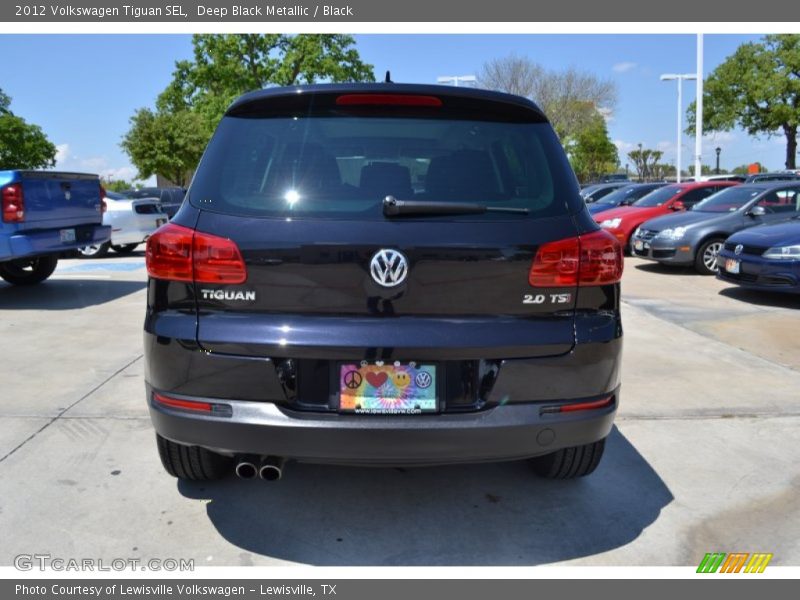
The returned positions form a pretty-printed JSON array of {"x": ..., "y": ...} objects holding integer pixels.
[{"x": 132, "y": 222}]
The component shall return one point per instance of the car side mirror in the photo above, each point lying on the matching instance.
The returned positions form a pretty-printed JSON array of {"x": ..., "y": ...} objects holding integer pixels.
[
  {"x": 627, "y": 202},
  {"x": 757, "y": 211},
  {"x": 678, "y": 205}
]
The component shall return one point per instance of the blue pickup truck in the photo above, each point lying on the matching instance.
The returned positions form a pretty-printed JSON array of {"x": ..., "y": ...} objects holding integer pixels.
[{"x": 45, "y": 213}]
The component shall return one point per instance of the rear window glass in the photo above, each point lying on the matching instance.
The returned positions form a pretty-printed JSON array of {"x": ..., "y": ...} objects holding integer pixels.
[
  {"x": 344, "y": 166},
  {"x": 659, "y": 196}
]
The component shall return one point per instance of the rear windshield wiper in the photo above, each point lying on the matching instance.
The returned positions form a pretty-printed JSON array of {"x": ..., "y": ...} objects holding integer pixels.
[{"x": 392, "y": 207}]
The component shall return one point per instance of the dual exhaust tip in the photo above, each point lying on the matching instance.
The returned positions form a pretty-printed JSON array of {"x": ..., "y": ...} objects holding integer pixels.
[{"x": 269, "y": 468}]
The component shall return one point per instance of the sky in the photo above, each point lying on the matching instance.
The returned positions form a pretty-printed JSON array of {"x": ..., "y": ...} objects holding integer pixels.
[{"x": 83, "y": 89}]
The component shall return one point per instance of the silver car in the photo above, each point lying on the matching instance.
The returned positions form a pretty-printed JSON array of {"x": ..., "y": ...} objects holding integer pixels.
[{"x": 696, "y": 236}]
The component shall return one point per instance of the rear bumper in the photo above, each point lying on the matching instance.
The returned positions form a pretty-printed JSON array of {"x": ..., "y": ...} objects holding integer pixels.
[
  {"x": 48, "y": 241},
  {"x": 501, "y": 433}
]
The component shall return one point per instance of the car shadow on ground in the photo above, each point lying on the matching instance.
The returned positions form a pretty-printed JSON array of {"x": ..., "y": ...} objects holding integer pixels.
[
  {"x": 62, "y": 294},
  {"x": 661, "y": 269},
  {"x": 773, "y": 299},
  {"x": 491, "y": 514}
]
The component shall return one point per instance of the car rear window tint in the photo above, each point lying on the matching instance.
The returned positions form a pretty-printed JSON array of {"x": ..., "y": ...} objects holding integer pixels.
[{"x": 343, "y": 167}]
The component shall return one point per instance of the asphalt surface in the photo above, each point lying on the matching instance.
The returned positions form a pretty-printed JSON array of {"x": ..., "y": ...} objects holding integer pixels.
[{"x": 703, "y": 457}]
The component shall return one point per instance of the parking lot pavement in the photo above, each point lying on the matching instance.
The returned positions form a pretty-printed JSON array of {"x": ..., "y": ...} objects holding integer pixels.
[{"x": 702, "y": 457}]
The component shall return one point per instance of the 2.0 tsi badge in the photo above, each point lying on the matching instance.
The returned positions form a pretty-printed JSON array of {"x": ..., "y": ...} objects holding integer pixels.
[{"x": 388, "y": 267}]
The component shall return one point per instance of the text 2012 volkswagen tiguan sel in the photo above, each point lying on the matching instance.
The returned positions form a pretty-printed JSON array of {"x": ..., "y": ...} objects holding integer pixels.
[{"x": 382, "y": 274}]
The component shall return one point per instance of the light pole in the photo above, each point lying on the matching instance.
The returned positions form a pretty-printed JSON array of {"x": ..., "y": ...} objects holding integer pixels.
[
  {"x": 457, "y": 79},
  {"x": 679, "y": 78},
  {"x": 717, "y": 150},
  {"x": 698, "y": 120}
]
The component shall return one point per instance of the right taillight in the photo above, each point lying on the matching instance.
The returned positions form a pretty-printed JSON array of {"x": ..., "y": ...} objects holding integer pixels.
[
  {"x": 13, "y": 203},
  {"x": 591, "y": 259},
  {"x": 178, "y": 253}
]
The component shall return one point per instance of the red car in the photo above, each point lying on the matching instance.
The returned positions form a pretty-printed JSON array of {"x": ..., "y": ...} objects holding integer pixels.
[{"x": 623, "y": 220}]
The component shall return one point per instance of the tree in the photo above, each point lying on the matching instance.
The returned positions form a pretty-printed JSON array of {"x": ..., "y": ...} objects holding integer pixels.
[
  {"x": 226, "y": 66},
  {"x": 646, "y": 162},
  {"x": 570, "y": 98},
  {"x": 593, "y": 153},
  {"x": 170, "y": 140},
  {"x": 165, "y": 143},
  {"x": 22, "y": 145},
  {"x": 758, "y": 89},
  {"x": 118, "y": 185}
]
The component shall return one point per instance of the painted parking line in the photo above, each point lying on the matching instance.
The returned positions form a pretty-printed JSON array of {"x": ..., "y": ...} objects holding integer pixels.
[{"x": 89, "y": 267}]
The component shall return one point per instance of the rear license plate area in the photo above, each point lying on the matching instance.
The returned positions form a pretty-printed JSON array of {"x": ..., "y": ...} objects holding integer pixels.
[
  {"x": 388, "y": 388},
  {"x": 67, "y": 236}
]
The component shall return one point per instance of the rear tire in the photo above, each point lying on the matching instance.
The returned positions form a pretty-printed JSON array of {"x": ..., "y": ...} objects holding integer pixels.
[
  {"x": 94, "y": 251},
  {"x": 569, "y": 463},
  {"x": 29, "y": 271},
  {"x": 705, "y": 262},
  {"x": 124, "y": 249},
  {"x": 192, "y": 463}
]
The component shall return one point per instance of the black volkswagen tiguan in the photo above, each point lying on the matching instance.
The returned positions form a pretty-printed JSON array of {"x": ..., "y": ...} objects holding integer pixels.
[{"x": 382, "y": 274}]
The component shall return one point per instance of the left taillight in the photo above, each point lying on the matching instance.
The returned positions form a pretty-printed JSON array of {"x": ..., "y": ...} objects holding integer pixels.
[
  {"x": 13, "y": 203},
  {"x": 103, "y": 203},
  {"x": 177, "y": 253}
]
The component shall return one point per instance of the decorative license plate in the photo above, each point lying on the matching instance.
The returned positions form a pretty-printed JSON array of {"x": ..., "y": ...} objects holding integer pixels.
[
  {"x": 732, "y": 265},
  {"x": 387, "y": 388}
]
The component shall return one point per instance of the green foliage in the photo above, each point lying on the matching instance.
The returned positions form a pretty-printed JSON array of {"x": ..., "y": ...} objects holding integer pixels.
[
  {"x": 118, "y": 185},
  {"x": 22, "y": 145},
  {"x": 170, "y": 140},
  {"x": 165, "y": 143},
  {"x": 5, "y": 102},
  {"x": 758, "y": 89},
  {"x": 593, "y": 153},
  {"x": 226, "y": 66}
]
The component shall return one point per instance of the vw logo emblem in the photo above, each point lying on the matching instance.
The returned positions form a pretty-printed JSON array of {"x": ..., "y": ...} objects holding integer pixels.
[
  {"x": 388, "y": 267},
  {"x": 738, "y": 249},
  {"x": 423, "y": 380}
]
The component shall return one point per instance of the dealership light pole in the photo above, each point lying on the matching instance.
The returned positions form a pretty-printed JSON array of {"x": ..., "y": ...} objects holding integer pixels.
[
  {"x": 698, "y": 129},
  {"x": 679, "y": 78},
  {"x": 457, "y": 80}
]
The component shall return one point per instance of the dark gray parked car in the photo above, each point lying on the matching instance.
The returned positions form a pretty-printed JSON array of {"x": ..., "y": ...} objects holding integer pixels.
[
  {"x": 695, "y": 237},
  {"x": 594, "y": 192}
]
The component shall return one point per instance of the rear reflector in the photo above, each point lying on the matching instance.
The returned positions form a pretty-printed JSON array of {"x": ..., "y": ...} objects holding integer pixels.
[
  {"x": 387, "y": 100},
  {"x": 210, "y": 408},
  {"x": 579, "y": 406},
  {"x": 177, "y": 253},
  {"x": 13, "y": 203},
  {"x": 184, "y": 404},
  {"x": 591, "y": 259}
]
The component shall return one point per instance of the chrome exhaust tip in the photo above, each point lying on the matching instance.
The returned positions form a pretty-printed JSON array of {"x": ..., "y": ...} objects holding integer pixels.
[
  {"x": 271, "y": 468},
  {"x": 246, "y": 470}
]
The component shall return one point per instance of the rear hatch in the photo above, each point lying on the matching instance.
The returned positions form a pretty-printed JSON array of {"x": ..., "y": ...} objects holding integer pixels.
[
  {"x": 54, "y": 199},
  {"x": 329, "y": 228},
  {"x": 298, "y": 183}
]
